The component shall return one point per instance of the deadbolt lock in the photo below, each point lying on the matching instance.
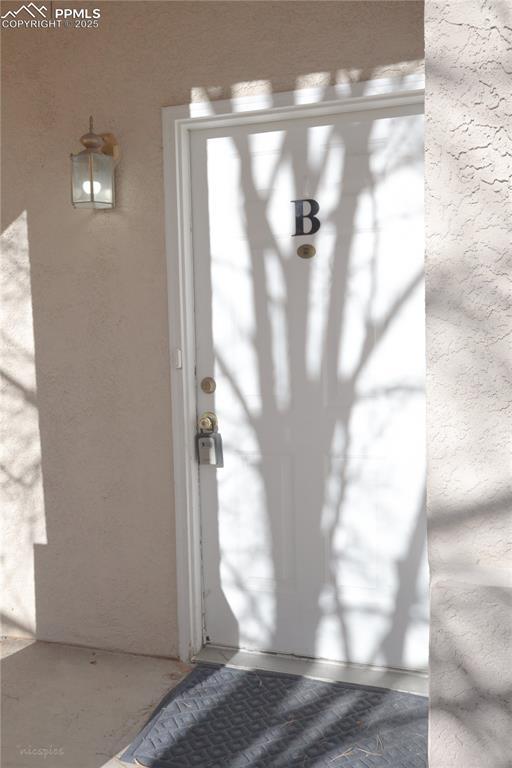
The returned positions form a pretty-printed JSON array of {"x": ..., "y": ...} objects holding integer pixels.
[{"x": 208, "y": 385}]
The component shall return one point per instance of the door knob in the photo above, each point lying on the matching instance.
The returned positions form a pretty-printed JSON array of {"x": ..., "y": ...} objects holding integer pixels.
[{"x": 207, "y": 422}]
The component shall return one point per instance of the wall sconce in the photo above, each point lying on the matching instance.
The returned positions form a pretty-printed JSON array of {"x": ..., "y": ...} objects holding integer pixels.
[{"x": 92, "y": 171}]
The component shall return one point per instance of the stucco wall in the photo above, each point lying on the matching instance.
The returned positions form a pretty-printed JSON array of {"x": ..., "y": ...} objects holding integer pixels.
[
  {"x": 94, "y": 563},
  {"x": 469, "y": 326}
]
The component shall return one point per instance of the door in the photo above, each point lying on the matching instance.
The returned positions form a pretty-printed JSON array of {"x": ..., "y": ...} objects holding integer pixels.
[{"x": 313, "y": 532}]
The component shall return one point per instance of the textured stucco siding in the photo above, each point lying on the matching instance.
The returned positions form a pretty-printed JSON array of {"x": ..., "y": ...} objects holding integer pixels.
[
  {"x": 98, "y": 556},
  {"x": 469, "y": 333}
]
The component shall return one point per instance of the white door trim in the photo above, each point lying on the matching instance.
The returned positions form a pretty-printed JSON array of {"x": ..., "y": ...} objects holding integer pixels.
[{"x": 177, "y": 124}]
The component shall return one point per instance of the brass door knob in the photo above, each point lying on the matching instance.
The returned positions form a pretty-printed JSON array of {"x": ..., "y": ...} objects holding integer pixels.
[{"x": 207, "y": 422}]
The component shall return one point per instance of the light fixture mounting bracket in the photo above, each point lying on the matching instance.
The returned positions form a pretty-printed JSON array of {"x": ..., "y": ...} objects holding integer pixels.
[{"x": 110, "y": 146}]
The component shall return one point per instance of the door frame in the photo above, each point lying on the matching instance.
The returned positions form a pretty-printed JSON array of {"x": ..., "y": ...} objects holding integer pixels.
[{"x": 177, "y": 125}]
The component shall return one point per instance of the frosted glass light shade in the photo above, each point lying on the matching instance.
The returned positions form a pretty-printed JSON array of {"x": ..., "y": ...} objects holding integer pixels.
[{"x": 92, "y": 180}]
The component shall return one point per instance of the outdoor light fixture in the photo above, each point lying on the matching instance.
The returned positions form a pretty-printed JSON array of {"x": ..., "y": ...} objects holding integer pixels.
[{"x": 92, "y": 171}]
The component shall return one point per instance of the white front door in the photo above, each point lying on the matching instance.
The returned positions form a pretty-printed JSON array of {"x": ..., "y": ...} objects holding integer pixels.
[{"x": 313, "y": 533}]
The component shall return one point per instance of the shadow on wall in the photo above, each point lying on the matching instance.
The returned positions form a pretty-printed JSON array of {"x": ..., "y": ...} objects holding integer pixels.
[
  {"x": 468, "y": 342},
  {"x": 470, "y": 690},
  {"x": 23, "y": 520}
]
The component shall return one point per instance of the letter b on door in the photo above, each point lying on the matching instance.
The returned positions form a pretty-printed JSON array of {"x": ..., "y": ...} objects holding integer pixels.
[{"x": 306, "y": 209}]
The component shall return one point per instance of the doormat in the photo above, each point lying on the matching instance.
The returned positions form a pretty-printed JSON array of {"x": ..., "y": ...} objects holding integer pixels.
[{"x": 219, "y": 717}]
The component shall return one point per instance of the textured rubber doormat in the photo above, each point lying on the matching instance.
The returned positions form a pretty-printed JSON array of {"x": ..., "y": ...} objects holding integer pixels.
[{"x": 219, "y": 717}]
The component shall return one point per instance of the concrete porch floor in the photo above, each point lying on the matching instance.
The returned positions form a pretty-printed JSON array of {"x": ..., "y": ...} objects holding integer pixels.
[{"x": 82, "y": 706}]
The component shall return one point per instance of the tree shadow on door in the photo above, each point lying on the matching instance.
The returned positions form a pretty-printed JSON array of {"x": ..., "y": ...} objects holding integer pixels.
[{"x": 327, "y": 502}]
